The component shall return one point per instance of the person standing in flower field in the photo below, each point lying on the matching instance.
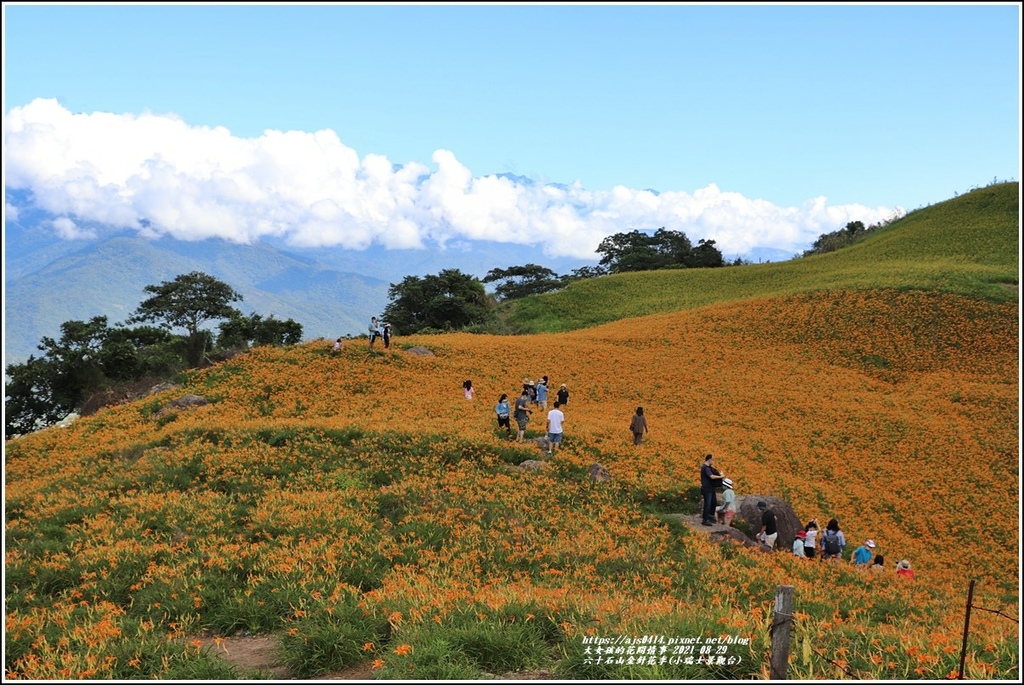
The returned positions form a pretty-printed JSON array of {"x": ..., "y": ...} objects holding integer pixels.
[
  {"x": 502, "y": 410},
  {"x": 542, "y": 393},
  {"x": 467, "y": 389},
  {"x": 522, "y": 413},
  {"x": 563, "y": 395},
  {"x": 769, "y": 525},
  {"x": 554, "y": 426},
  {"x": 903, "y": 570},
  {"x": 638, "y": 426},
  {"x": 374, "y": 330},
  {"x": 728, "y": 509},
  {"x": 833, "y": 542},
  {"x": 798, "y": 543},
  {"x": 810, "y": 539},
  {"x": 386, "y": 334},
  {"x": 708, "y": 477}
]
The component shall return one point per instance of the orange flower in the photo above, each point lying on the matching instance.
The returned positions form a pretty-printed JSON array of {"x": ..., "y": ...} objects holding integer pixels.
[{"x": 403, "y": 650}]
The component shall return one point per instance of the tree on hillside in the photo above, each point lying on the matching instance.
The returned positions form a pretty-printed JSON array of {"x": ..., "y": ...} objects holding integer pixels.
[
  {"x": 89, "y": 355},
  {"x": 241, "y": 331},
  {"x": 633, "y": 251},
  {"x": 188, "y": 302},
  {"x": 852, "y": 233},
  {"x": 450, "y": 300},
  {"x": 704, "y": 256},
  {"x": 664, "y": 249},
  {"x": 520, "y": 281}
]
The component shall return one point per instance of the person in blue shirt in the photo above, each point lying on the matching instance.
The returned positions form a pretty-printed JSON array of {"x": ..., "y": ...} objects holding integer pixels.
[
  {"x": 542, "y": 393},
  {"x": 502, "y": 410},
  {"x": 863, "y": 555}
]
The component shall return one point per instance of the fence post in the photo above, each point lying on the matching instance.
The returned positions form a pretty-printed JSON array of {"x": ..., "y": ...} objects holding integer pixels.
[
  {"x": 967, "y": 626},
  {"x": 781, "y": 623}
]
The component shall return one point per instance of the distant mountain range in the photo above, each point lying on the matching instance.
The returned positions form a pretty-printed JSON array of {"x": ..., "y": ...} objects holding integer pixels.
[{"x": 49, "y": 279}]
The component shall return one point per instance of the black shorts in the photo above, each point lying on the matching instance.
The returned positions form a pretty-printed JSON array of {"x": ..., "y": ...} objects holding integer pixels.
[{"x": 503, "y": 422}]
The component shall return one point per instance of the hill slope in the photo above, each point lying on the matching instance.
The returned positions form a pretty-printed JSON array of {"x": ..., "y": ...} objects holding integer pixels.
[
  {"x": 358, "y": 499},
  {"x": 969, "y": 245}
]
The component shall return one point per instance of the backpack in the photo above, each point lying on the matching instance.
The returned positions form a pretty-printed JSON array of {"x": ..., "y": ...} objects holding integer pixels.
[{"x": 830, "y": 543}]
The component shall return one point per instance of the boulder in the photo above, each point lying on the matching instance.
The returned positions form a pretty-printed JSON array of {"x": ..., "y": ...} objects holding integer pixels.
[
  {"x": 183, "y": 402},
  {"x": 598, "y": 473},
  {"x": 533, "y": 465},
  {"x": 786, "y": 518},
  {"x": 420, "y": 351},
  {"x": 542, "y": 443},
  {"x": 186, "y": 401}
]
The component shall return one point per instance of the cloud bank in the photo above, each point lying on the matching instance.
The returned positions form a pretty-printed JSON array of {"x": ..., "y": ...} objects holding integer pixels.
[{"x": 160, "y": 176}]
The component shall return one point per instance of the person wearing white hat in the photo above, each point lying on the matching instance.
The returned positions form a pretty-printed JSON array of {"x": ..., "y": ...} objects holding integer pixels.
[
  {"x": 863, "y": 555},
  {"x": 727, "y": 511},
  {"x": 903, "y": 570}
]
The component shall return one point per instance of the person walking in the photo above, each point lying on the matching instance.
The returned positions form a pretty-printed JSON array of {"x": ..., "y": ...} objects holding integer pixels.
[
  {"x": 708, "y": 477},
  {"x": 522, "y": 413},
  {"x": 833, "y": 542},
  {"x": 374, "y": 331},
  {"x": 810, "y": 538},
  {"x": 769, "y": 525},
  {"x": 502, "y": 410},
  {"x": 728, "y": 509},
  {"x": 638, "y": 426},
  {"x": 863, "y": 554},
  {"x": 563, "y": 395}
]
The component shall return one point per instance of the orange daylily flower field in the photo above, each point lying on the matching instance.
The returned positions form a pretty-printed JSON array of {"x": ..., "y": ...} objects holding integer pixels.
[{"x": 316, "y": 486}]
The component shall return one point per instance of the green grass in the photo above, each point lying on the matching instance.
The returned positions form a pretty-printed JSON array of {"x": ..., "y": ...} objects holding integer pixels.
[{"x": 966, "y": 246}]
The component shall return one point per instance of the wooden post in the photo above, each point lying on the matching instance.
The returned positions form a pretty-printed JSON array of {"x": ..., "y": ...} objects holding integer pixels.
[
  {"x": 967, "y": 626},
  {"x": 781, "y": 624}
]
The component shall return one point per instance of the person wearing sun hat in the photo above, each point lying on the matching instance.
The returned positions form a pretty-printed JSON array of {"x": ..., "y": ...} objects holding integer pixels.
[
  {"x": 798, "y": 544},
  {"x": 727, "y": 511},
  {"x": 863, "y": 555},
  {"x": 903, "y": 570}
]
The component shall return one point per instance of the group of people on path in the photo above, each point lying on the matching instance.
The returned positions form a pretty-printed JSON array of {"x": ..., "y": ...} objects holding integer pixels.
[
  {"x": 805, "y": 544},
  {"x": 533, "y": 396}
]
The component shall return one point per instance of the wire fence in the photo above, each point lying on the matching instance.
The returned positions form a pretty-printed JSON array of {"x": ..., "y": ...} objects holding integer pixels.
[{"x": 784, "y": 619}]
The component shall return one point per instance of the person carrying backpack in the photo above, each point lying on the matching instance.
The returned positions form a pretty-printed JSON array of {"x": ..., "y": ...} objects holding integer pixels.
[{"x": 832, "y": 541}]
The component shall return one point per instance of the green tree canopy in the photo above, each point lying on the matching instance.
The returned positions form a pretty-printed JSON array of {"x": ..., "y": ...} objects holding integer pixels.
[
  {"x": 520, "y": 281},
  {"x": 188, "y": 302},
  {"x": 241, "y": 331},
  {"x": 664, "y": 249},
  {"x": 450, "y": 300}
]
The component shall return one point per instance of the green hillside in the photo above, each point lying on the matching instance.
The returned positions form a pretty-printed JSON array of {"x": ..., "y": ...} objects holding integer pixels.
[{"x": 968, "y": 246}]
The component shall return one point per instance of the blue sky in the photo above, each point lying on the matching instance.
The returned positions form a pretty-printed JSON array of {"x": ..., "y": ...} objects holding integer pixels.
[{"x": 757, "y": 125}]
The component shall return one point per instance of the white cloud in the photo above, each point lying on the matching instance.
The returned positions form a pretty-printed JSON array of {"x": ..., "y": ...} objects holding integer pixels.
[
  {"x": 69, "y": 230},
  {"x": 160, "y": 176}
]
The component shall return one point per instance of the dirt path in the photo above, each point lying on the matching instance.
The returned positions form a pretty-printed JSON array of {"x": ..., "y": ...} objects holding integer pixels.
[{"x": 260, "y": 653}]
